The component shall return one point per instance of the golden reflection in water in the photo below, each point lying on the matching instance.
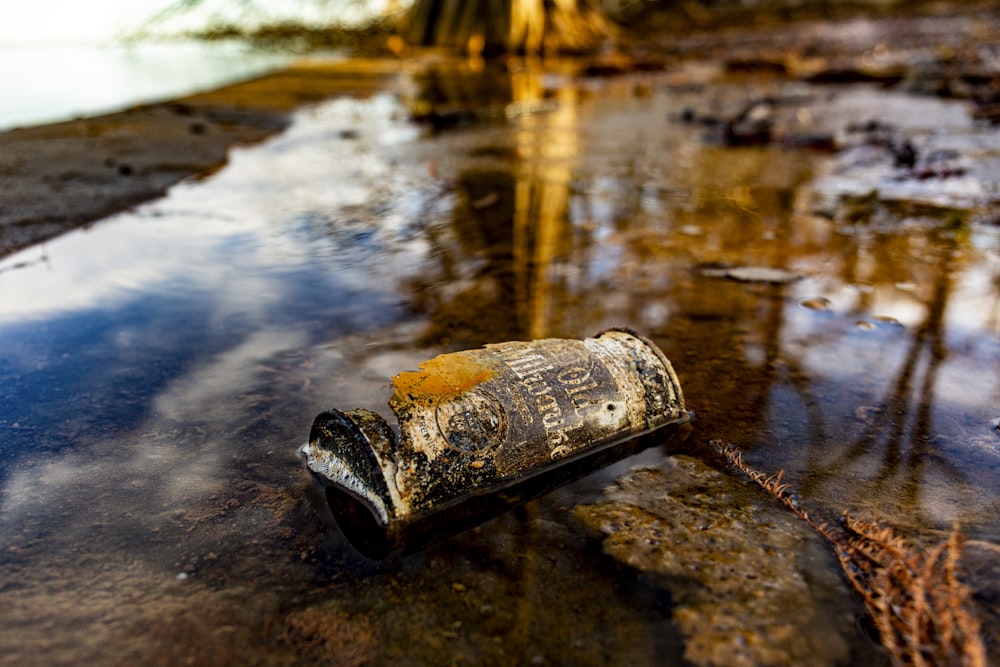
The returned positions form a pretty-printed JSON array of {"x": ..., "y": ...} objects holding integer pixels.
[
  {"x": 527, "y": 24},
  {"x": 546, "y": 145},
  {"x": 866, "y": 391},
  {"x": 574, "y": 229}
]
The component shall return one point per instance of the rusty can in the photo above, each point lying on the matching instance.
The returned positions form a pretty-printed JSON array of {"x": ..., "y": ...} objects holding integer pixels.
[{"x": 482, "y": 430}]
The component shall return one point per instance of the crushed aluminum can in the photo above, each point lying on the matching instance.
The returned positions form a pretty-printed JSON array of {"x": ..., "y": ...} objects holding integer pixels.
[{"x": 484, "y": 430}]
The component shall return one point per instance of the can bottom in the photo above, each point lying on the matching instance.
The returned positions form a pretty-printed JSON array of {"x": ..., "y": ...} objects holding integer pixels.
[{"x": 361, "y": 527}]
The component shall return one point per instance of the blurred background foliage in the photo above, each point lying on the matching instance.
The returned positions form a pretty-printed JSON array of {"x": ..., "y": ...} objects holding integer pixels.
[{"x": 488, "y": 26}]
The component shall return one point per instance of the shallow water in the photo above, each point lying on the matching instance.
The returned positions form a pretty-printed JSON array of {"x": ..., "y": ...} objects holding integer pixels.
[{"x": 159, "y": 368}]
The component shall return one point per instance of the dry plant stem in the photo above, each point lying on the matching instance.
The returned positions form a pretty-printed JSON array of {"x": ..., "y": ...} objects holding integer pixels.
[{"x": 920, "y": 609}]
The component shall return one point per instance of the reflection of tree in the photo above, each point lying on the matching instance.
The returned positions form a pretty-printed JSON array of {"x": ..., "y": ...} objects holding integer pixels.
[
  {"x": 749, "y": 370},
  {"x": 546, "y": 146},
  {"x": 510, "y": 230},
  {"x": 508, "y": 25},
  {"x": 896, "y": 445},
  {"x": 900, "y": 429},
  {"x": 725, "y": 337},
  {"x": 509, "y": 267},
  {"x": 469, "y": 294}
]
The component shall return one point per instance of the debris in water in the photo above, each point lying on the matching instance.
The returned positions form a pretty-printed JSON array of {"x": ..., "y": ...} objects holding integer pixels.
[
  {"x": 751, "y": 274},
  {"x": 483, "y": 430},
  {"x": 816, "y": 303}
]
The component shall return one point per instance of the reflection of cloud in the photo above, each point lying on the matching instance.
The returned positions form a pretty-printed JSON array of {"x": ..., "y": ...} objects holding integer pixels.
[
  {"x": 153, "y": 466},
  {"x": 223, "y": 381},
  {"x": 31, "y": 487},
  {"x": 953, "y": 158},
  {"x": 104, "y": 266},
  {"x": 901, "y": 110},
  {"x": 232, "y": 234},
  {"x": 159, "y": 290},
  {"x": 216, "y": 393}
]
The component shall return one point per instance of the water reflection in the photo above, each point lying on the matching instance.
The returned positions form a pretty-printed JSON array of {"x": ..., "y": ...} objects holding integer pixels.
[
  {"x": 159, "y": 368},
  {"x": 864, "y": 380},
  {"x": 921, "y": 423}
]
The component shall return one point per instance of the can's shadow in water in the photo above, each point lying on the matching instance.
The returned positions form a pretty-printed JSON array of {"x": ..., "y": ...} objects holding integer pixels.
[{"x": 373, "y": 540}]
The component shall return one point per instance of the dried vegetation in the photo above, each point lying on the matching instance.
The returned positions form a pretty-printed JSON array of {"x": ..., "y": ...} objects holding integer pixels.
[
  {"x": 921, "y": 610},
  {"x": 329, "y": 636}
]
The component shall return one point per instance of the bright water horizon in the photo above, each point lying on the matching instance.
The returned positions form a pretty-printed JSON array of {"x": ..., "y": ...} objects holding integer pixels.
[{"x": 49, "y": 84}]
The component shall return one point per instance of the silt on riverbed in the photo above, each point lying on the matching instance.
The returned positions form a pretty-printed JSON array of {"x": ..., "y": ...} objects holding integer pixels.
[{"x": 818, "y": 260}]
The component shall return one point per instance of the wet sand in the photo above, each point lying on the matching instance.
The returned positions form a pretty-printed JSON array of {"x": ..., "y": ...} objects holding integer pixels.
[{"x": 63, "y": 176}]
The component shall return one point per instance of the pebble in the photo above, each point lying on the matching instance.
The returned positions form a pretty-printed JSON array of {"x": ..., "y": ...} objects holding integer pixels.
[{"x": 816, "y": 303}]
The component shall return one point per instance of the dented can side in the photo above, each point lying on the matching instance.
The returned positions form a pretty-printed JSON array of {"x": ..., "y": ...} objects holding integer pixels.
[{"x": 480, "y": 420}]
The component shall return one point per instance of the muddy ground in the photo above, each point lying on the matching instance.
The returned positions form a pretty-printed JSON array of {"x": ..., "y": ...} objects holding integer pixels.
[{"x": 62, "y": 176}]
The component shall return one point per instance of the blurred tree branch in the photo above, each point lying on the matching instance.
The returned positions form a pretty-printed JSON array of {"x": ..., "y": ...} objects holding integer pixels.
[{"x": 496, "y": 26}]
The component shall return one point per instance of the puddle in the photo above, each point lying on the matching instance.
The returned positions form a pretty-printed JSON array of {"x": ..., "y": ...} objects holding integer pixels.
[{"x": 160, "y": 368}]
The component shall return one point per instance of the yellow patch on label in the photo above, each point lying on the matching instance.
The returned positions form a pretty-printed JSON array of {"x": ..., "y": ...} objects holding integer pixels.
[{"x": 443, "y": 376}]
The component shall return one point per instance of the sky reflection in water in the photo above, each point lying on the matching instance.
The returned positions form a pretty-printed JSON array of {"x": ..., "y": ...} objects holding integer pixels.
[
  {"x": 152, "y": 359},
  {"x": 117, "y": 312}
]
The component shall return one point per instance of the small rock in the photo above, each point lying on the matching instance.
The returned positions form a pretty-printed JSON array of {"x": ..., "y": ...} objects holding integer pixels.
[
  {"x": 752, "y": 274},
  {"x": 701, "y": 533},
  {"x": 816, "y": 303},
  {"x": 488, "y": 200}
]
